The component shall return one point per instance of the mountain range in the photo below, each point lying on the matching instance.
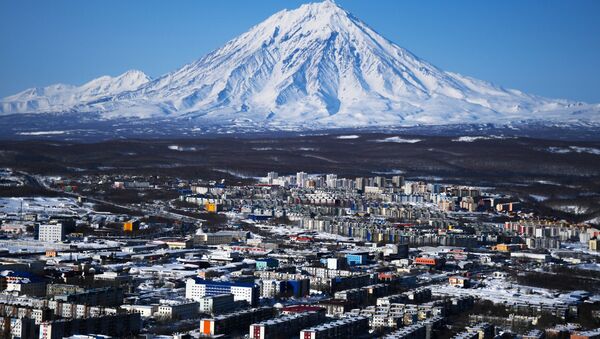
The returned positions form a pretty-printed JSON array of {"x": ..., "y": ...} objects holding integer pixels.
[{"x": 314, "y": 67}]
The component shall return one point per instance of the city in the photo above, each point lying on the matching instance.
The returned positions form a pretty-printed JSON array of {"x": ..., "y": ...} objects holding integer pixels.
[{"x": 308, "y": 255}]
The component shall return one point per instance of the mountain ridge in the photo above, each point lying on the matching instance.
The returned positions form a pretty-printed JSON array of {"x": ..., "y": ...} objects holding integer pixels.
[{"x": 65, "y": 97}]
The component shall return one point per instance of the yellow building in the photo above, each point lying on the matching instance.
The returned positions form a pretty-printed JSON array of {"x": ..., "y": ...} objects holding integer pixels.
[
  {"x": 211, "y": 207},
  {"x": 179, "y": 244},
  {"x": 508, "y": 247}
]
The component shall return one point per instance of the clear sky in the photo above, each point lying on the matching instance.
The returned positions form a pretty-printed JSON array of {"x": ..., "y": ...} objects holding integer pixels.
[{"x": 544, "y": 47}]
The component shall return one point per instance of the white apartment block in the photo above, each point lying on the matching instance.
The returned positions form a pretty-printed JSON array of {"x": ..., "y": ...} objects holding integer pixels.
[
  {"x": 51, "y": 233},
  {"x": 196, "y": 289}
]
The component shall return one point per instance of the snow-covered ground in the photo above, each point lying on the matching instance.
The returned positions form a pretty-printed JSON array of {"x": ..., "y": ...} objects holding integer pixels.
[
  {"x": 182, "y": 148},
  {"x": 538, "y": 198},
  {"x": 41, "y": 205},
  {"x": 574, "y": 149},
  {"x": 475, "y": 138},
  {"x": 589, "y": 267},
  {"x": 579, "y": 247},
  {"x": 573, "y": 209},
  {"x": 593, "y": 220},
  {"x": 502, "y": 291},
  {"x": 293, "y": 230},
  {"x": 237, "y": 174},
  {"x": 399, "y": 140},
  {"x": 170, "y": 269},
  {"x": 390, "y": 172},
  {"x": 31, "y": 245},
  {"x": 43, "y": 133}
]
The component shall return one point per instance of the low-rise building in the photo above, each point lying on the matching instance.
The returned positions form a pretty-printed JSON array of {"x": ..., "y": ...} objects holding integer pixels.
[
  {"x": 285, "y": 326},
  {"x": 343, "y": 328},
  {"x": 104, "y": 296},
  {"x": 217, "y": 304},
  {"x": 266, "y": 263},
  {"x": 178, "y": 311},
  {"x": 237, "y": 322},
  {"x": 458, "y": 281},
  {"x": 145, "y": 311},
  {"x": 117, "y": 325},
  {"x": 430, "y": 261}
]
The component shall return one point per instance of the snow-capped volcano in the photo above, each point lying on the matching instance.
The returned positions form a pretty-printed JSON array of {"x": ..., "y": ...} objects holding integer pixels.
[{"x": 317, "y": 66}]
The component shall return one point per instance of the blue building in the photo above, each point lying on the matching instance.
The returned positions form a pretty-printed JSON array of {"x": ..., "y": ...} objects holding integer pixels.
[
  {"x": 298, "y": 288},
  {"x": 357, "y": 258},
  {"x": 24, "y": 283}
]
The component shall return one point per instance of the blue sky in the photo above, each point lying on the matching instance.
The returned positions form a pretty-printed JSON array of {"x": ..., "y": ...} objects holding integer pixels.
[{"x": 544, "y": 47}]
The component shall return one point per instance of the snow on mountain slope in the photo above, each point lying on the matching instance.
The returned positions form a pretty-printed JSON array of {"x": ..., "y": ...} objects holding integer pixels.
[
  {"x": 61, "y": 97},
  {"x": 319, "y": 66}
]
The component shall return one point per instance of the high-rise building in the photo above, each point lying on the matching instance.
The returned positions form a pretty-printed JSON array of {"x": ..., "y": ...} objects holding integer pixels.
[
  {"x": 398, "y": 181},
  {"x": 331, "y": 180},
  {"x": 301, "y": 178},
  {"x": 360, "y": 183},
  {"x": 271, "y": 176}
]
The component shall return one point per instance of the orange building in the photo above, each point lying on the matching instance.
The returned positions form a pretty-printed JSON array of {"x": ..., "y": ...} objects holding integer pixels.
[
  {"x": 207, "y": 326},
  {"x": 429, "y": 261},
  {"x": 593, "y": 334},
  {"x": 131, "y": 225}
]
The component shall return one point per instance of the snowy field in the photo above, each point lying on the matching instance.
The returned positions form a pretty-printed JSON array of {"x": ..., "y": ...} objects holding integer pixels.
[
  {"x": 574, "y": 149},
  {"x": 475, "y": 138},
  {"x": 29, "y": 245},
  {"x": 41, "y": 205},
  {"x": 399, "y": 140},
  {"x": 292, "y": 230},
  {"x": 579, "y": 247},
  {"x": 501, "y": 291}
]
